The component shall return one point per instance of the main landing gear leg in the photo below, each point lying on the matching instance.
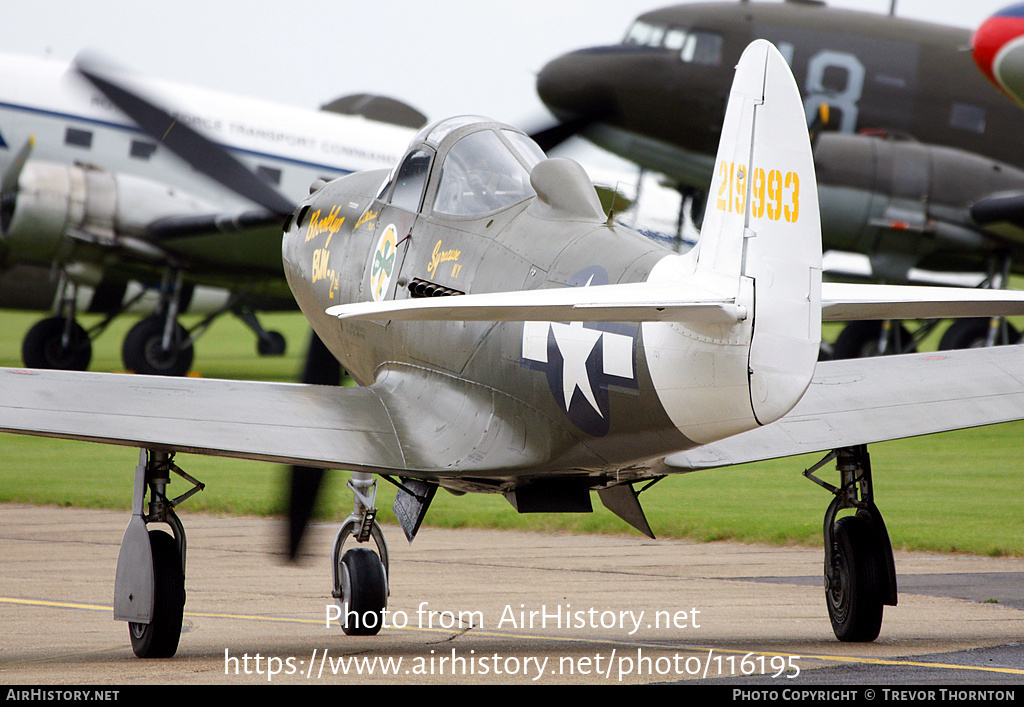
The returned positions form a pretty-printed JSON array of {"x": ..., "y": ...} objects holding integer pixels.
[
  {"x": 149, "y": 590},
  {"x": 860, "y": 575},
  {"x": 158, "y": 345},
  {"x": 361, "y": 575},
  {"x": 59, "y": 341}
]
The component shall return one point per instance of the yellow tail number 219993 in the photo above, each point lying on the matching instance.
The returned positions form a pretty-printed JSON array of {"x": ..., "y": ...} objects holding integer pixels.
[{"x": 773, "y": 194}]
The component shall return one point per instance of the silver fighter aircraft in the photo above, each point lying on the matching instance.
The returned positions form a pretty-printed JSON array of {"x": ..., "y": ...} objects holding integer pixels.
[{"x": 509, "y": 337}]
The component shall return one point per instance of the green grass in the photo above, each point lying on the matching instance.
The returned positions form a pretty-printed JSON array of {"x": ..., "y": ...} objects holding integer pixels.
[{"x": 951, "y": 492}]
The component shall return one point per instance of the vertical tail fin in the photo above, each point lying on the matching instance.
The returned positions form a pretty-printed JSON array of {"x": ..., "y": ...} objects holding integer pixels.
[{"x": 762, "y": 224}]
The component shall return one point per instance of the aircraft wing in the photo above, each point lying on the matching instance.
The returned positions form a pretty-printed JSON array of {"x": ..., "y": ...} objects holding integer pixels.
[
  {"x": 188, "y": 226},
  {"x": 381, "y": 428},
  {"x": 850, "y": 302},
  {"x": 248, "y": 241},
  {"x": 866, "y": 400}
]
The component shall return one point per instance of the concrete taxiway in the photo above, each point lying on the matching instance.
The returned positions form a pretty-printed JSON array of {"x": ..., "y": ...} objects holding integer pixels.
[{"x": 485, "y": 607}]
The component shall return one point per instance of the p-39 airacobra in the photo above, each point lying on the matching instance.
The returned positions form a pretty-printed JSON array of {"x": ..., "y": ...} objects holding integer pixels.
[{"x": 509, "y": 337}]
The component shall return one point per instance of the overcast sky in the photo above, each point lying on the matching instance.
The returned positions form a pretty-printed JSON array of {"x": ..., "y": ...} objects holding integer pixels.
[{"x": 445, "y": 57}]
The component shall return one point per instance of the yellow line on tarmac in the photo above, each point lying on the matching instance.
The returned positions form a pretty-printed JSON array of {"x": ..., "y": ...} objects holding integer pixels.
[{"x": 568, "y": 639}]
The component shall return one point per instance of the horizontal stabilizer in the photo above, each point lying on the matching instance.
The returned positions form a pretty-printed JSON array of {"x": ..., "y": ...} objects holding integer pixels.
[
  {"x": 633, "y": 302},
  {"x": 842, "y": 302}
]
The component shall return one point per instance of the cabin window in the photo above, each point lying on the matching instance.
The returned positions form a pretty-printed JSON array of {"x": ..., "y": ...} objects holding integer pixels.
[
  {"x": 967, "y": 117},
  {"x": 141, "y": 150},
  {"x": 78, "y": 138},
  {"x": 674, "y": 39},
  {"x": 642, "y": 33},
  {"x": 702, "y": 48}
]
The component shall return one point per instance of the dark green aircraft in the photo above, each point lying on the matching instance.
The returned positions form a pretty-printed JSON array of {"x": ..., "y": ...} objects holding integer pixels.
[
  {"x": 509, "y": 337},
  {"x": 914, "y": 136}
]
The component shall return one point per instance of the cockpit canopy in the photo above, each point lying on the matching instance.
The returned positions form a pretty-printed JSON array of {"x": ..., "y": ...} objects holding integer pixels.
[
  {"x": 695, "y": 46},
  {"x": 464, "y": 167}
]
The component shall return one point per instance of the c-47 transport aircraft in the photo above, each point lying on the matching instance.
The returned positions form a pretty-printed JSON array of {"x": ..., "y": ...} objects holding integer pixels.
[
  {"x": 914, "y": 141},
  {"x": 509, "y": 337}
]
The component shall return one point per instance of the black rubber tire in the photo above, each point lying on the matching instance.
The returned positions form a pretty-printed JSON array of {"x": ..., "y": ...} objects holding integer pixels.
[
  {"x": 972, "y": 334},
  {"x": 366, "y": 591},
  {"x": 41, "y": 347},
  {"x": 855, "y": 601},
  {"x": 860, "y": 340},
  {"x": 159, "y": 639},
  {"x": 142, "y": 351},
  {"x": 273, "y": 345}
]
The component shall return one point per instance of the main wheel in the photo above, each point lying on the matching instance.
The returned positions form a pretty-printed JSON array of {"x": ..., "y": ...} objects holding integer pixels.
[
  {"x": 143, "y": 350},
  {"x": 973, "y": 334},
  {"x": 364, "y": 592},
  {"x": 159, "y": 639},
  {"x": 43, "y": 348},
  {"x": 861, "y": 339},
  {"x": 854, "y": 599}
]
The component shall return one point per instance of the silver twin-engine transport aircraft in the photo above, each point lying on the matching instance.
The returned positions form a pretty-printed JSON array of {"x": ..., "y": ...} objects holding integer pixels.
[
  {"x": 511, "y": 338},
  {"x": 96, "y": 216}
]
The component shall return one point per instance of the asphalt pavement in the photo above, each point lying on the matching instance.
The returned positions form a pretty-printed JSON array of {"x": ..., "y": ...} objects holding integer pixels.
[{"x": 483, "y": 607}]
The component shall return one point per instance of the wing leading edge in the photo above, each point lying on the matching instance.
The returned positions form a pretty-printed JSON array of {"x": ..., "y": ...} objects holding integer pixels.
[{"x": 376, "y": 429}]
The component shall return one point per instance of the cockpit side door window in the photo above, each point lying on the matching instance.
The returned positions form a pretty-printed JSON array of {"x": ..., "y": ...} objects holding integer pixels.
[{"x": 410, "y": 181}]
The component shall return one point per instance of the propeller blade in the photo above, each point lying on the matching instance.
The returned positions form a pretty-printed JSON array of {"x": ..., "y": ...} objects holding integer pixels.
[
  {"x": 202, "y": 154},
  {"x": 552, "y": 137},
  {"x": 321, "y": 369},
  {"x": 9, "y": 184}
]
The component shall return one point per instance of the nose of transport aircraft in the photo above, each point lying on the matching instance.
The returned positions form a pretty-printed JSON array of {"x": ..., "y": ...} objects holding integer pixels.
[
  {"x": 576, "y": 85},
  {"x": 998, "y": 49}
]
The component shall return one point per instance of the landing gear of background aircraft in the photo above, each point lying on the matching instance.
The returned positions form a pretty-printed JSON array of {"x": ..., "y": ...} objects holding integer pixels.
[
  {"x": 149, "y": 590},
  {"x": 268, "y": 343},
  {"x": 158, "y": 346},
  {"x": 872, "y": 338},
  {"x": 57, "y": 342},
  {"x": 361, "y": 575},
  {"x": 860, "y": 574},
  {"x": 978, "y": 332}
]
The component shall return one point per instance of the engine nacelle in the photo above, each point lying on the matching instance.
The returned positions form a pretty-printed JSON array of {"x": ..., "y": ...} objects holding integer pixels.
[
  {"x": 907, "y": 204},
  {"x": 63, "y": 212}
]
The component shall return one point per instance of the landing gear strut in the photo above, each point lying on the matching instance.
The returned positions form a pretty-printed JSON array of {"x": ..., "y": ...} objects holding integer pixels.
[
  {"x": 58, "y": 342},
  {"x": 860, "y": 575},
  {"x": 360, "y": 575},
  {"x": 149, "y": 591}
]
